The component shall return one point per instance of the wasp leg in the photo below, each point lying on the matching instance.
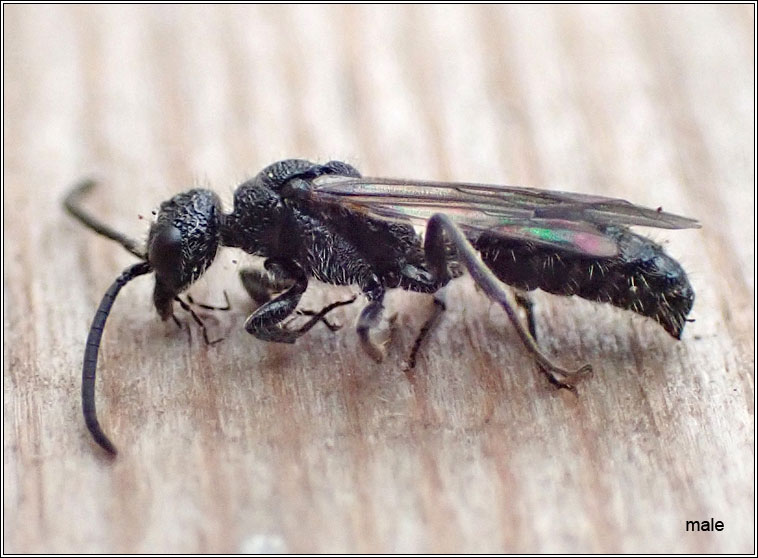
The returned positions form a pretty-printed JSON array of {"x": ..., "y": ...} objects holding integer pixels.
[
  {"x": 333, "y": 327},
  {"x": 525, "y": 301},
  {"x": 263, "y": 286},
  {"x": 320, "y": 316},
  {"x": 224, "y": 308},
  {"x": 439, "y": 307},
  {"x": 187, "y": 308},
  {"x": 265, "y": 322},
  {"x": 371, "y": 319},
  {"x": 434, "y": 249},
  {"x": 419, "y": 280}
]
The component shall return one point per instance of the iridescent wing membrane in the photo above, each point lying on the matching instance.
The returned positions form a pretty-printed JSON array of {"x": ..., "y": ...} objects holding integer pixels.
[{"x": 563, "y": 220}]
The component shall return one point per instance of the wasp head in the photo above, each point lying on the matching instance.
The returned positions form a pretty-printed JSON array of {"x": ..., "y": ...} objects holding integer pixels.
[{"x": 182, "y": 243}]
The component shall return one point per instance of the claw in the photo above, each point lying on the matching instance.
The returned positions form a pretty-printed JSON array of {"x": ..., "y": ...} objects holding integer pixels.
[{"x": 565, "y": 379}]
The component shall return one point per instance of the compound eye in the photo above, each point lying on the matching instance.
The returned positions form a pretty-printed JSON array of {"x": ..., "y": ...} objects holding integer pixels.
[{"x": 165, "y": 254}]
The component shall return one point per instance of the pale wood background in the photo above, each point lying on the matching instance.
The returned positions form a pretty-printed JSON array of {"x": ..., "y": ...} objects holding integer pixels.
[{"x": 253, "y": 447}]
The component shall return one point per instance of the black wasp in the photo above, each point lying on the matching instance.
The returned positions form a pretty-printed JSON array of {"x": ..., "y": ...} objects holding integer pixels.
[{"x": 329, "y": 223}]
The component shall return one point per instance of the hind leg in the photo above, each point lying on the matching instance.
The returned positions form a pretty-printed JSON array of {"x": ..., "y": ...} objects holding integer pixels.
[
  {"x": 527, "y": 305},
  {"x": 525, "y": 302},
  {"x": 439, "y": 226}
]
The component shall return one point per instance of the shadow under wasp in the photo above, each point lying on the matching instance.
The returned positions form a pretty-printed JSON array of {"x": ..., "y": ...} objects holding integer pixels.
[{"x": 327, "y": 222}]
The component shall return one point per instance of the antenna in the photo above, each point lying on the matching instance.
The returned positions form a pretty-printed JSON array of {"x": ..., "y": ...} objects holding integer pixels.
[{"x": 89, "y": 368}]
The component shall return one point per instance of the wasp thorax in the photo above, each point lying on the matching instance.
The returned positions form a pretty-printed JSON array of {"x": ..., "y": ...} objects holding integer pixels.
[{"x": 182, "y": 244}]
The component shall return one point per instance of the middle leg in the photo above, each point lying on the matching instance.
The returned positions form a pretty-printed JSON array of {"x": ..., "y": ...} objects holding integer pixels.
[
  {"x": 439, "y": 308},
  {"x": 371, "y": 318}
]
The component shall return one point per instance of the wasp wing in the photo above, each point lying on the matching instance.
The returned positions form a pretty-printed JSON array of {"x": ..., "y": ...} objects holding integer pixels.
[{"x": 564, "y": 220}]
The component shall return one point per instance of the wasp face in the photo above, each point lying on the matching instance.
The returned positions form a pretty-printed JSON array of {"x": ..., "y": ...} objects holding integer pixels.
[{"x": 182, "y": 244}]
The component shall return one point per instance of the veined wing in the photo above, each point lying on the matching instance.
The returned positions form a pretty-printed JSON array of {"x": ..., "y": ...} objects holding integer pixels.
[{"x": 564, "y": 220}]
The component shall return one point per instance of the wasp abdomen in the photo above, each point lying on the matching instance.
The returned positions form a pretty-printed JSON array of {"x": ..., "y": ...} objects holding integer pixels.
[{"x": 641, "y": 278}]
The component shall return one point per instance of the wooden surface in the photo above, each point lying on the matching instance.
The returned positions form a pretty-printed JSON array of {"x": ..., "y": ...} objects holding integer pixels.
[{"x": 255, "y": 447}]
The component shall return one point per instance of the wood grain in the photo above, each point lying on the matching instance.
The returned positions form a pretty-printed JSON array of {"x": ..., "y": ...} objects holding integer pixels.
[{"x": 254, "y": 447}]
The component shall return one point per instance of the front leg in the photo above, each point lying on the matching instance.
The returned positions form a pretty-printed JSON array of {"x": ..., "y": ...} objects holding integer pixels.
[
  {"x": 261, "y": 286},
  {"x": 265, "y": 322}
]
